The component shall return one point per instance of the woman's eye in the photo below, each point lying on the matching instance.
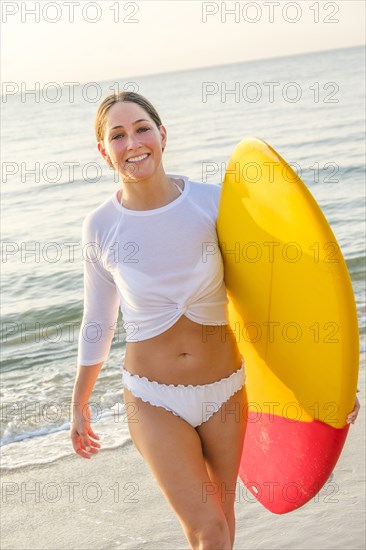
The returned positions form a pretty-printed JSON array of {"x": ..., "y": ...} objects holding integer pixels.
[
  {"x": 116, "y": 136},
  {"x": 143, "y": 129}
]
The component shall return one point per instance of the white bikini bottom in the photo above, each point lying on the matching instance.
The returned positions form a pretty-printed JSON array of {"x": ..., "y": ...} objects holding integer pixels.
[{"x": 195, "y": 404}]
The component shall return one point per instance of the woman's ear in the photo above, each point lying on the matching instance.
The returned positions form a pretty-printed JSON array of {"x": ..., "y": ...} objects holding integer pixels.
[
  {"x": 163, "y": 134},
  {"x": 104, "y": 154}
]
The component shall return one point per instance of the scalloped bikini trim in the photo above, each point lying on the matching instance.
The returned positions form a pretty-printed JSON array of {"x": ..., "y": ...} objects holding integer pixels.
[{"x": 184, "y": 386}]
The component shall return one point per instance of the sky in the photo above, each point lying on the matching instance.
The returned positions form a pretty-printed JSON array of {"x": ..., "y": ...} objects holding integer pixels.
[{"x": 82, "y": 41}]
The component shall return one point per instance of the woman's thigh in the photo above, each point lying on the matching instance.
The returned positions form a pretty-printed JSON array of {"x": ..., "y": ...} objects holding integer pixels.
[
  {"x": 172, "y": 449},
  {"x": 222, "y": 437}
]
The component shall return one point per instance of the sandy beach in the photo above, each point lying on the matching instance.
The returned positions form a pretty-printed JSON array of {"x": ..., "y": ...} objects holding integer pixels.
[{"x": 112, "y": 501}]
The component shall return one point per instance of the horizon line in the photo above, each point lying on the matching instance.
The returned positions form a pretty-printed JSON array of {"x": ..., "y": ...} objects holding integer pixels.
[
  {"x": 202, "y": 67},
  {"x": 235, "y": 62}
]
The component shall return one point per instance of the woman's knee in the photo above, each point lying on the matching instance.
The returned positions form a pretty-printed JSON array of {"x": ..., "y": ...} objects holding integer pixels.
[{"x": 210, "y": 533}]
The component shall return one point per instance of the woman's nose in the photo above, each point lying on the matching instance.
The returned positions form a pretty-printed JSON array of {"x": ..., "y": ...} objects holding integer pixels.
[{"x": 132, "y": 141}]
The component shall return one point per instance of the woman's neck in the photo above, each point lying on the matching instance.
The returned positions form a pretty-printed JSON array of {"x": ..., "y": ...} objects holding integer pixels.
[{"x": 148, "y": 194}]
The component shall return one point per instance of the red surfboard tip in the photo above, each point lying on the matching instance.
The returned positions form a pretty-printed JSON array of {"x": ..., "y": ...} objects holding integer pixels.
[{"x": 285, "y": 463}]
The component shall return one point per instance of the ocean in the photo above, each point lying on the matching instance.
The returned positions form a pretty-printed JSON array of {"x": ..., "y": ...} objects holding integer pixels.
[{"x": 309, "y": 107}]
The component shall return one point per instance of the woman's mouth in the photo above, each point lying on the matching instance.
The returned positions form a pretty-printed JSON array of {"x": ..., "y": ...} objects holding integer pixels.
[{"x": 137, "y": 158}]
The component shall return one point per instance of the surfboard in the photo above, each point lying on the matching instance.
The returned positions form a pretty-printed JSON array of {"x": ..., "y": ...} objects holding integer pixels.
[{"x": 293, "y": 312}]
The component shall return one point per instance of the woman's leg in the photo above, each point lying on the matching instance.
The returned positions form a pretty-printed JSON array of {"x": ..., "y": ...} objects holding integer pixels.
[
  {"x": 172, "y": 449},
  {"x": 222, "y": 438}
]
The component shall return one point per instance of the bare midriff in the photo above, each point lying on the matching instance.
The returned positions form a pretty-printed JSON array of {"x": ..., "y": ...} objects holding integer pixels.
[{"x": 187, "y": 353}]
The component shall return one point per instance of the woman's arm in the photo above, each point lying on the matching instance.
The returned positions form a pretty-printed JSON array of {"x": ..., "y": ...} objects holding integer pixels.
[
  {"x": 101, "y": 306},
  {"x": 101, "y": 301},
  {"x": 86, "y": 377},
  {"x": 82, "y": 436}
]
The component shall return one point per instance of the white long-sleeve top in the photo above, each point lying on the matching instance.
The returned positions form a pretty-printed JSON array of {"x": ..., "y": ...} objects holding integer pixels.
[{"x": 155, "y": 265}]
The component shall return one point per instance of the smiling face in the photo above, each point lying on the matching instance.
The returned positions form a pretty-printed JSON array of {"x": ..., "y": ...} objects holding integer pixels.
[{"x": 132, "y": 142}]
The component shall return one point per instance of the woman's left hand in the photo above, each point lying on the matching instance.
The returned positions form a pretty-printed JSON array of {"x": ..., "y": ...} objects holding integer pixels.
[{"x": 351, "y": 418}]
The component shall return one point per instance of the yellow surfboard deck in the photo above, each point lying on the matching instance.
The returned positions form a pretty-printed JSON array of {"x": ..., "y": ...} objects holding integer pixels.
[{"x": 293, "y": 312}]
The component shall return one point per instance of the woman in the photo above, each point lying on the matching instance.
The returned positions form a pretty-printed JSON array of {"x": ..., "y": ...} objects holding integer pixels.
[{"x": 156, "y": 255}]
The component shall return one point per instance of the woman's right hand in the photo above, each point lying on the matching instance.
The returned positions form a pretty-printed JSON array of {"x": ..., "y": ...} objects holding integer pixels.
[{"x": 82, "y": 436}]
